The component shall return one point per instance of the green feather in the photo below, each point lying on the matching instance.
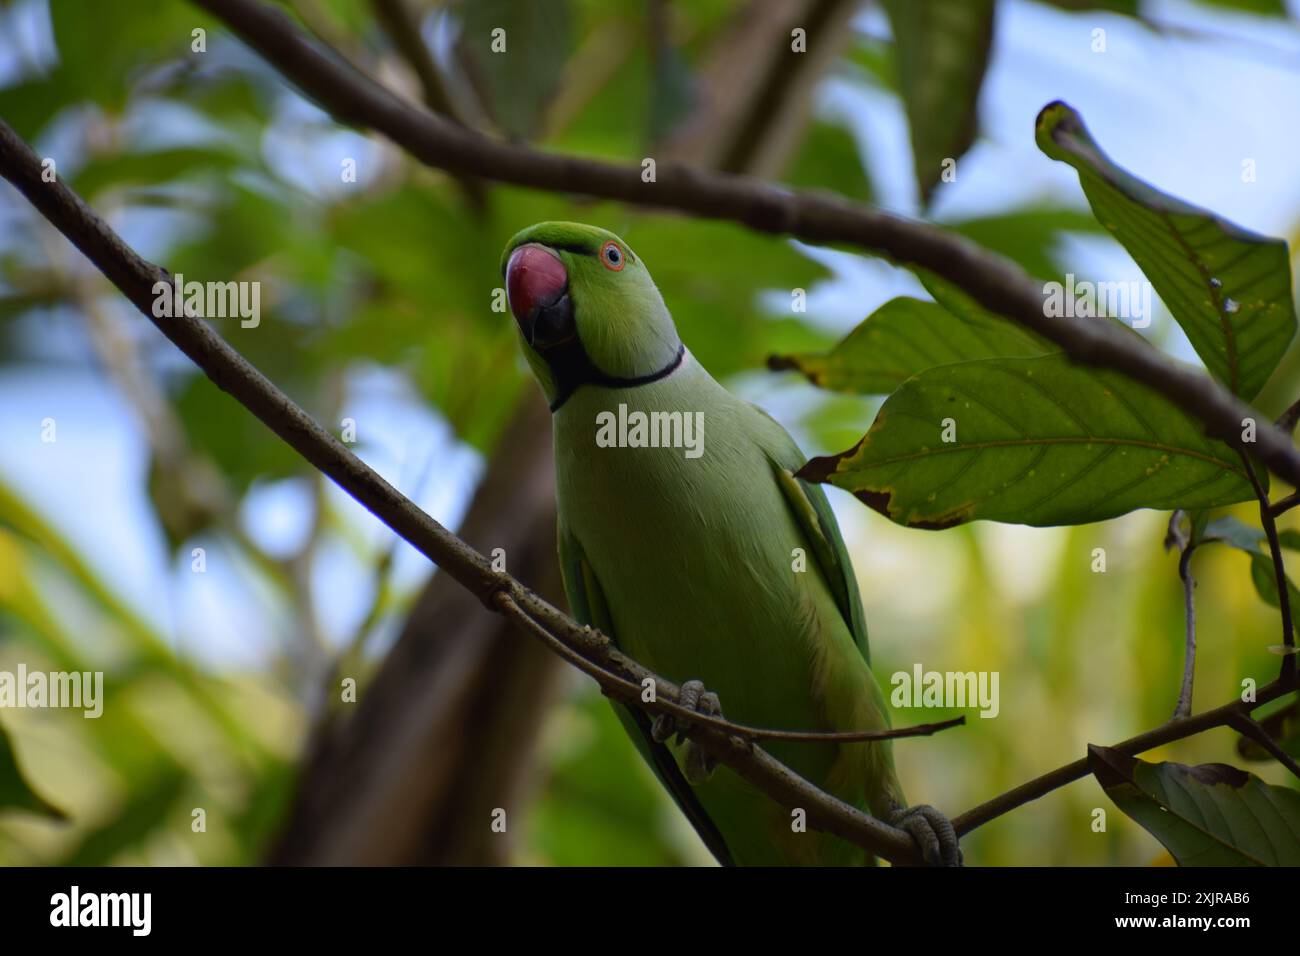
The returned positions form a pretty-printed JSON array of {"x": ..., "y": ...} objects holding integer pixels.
[
  {"x": 690, "y": 565},
  {"x": 587, "y": 603}
]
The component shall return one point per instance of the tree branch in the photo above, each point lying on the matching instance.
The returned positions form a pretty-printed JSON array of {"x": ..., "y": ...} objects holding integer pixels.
[
  {"x": 446, "y": 727},
  {"x": 1269, "y": 523},
  {"x": 403, "y": 29},
  {"x": 1174, "y": 730},
  {"x": 581, "y": 646},
  {"x": 1287, "y": 420},
  {"x": 816, "y": 217},
  {"x": 1176, "y": 538},
  {"x": 1184, "y": 706},
  {"x": 1283, "y": 505},
  {"x": 774, "y": 778},
  {"x": 1252, "y": 729},
  {"x": 1235, "y": 714}
]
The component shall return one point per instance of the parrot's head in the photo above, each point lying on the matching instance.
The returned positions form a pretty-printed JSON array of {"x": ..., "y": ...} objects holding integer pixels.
[{"x": 586, "y": 308}]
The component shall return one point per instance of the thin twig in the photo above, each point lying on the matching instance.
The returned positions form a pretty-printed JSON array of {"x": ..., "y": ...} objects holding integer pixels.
[
  {"x": 1252, "y": 729},
  {"x": 1283, "y": 505},
  {"x": 665, "y": 698},
  {"x": 1287, "y": 420},
  {"x": 1077, "y": 770},
  {"x": 403, "y": 29},
  {"x": 1288, "y": 672},
  {"x": 1184, "y": 706},
  {"x": 381, "y": 576},
  {"x": 1175, "y": 536},
  {"x": 774, "y": 778}
]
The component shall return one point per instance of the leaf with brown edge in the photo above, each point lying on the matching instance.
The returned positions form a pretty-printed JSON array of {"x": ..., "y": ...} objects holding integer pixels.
[
  {"x": 1036, "y": 440},
  {"x": 1206, "y": 815}
]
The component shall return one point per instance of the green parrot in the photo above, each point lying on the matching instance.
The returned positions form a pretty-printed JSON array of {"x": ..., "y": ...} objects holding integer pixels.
[{"x": 686, "y": 538}]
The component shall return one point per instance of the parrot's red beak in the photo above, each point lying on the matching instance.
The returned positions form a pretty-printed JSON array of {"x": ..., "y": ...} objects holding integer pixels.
[{"x": 537, "y": 288}]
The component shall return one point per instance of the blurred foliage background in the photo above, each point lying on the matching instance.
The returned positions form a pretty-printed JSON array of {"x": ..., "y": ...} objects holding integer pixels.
[{"x": 376, "y": 298}]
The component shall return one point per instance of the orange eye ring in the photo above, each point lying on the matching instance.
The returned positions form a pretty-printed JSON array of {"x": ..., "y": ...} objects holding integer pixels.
[{"x": 612, "y": 256}]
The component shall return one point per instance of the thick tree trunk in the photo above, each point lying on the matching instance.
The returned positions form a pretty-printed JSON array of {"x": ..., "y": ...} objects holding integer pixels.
[
  {"x": 755, "y": 92},
  {"x": 445, "y": 734}
]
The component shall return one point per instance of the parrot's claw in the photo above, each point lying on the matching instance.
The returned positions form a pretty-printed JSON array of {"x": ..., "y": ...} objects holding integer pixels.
[
  {"x": 693, "y": 696},
  {"x": 933, "y": 833}
]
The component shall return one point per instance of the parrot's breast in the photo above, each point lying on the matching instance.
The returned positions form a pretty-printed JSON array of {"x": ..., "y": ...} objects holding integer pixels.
[{"x": 670, "y": 491}]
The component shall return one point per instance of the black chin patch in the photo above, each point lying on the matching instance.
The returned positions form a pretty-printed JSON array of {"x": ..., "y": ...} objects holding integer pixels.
[{"x": 572, "y": 367}]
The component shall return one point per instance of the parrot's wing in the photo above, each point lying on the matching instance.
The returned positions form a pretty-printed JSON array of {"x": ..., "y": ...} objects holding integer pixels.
[
  {"x": 587, "y": 603},
  {"x": 813, "y": 514}
]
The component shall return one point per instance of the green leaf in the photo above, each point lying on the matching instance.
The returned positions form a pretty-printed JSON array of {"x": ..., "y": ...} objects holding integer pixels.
[
  {"x": 1036, "y": 441},
  {"x": 873, "y": 61},
  {"x": 828, "y": 158},
  {"x": 103, "y": 48},
  {"x": 15, "y": 791},
  {"x": 1264, "y": 577},
  {"x": 903, "y": 337},
  {"x": 222, "y": 431},
  {"x": 1247, "y": 537},
  {"x": 672, "y": 93},
  {"x": 1208, "y": 815},
  {"x": 1235, "y": 533},
  {"x": 149, "y": 169},
  {"x": 1128, "y": 7},
  {"x": 942, "y": 52},
  {"x": 1230, "y": 289},
  {"x": 1275, "y": 8},
  {"x": 518, "y": 82},
  {"x": 1254, "y": 542},
  {"x": 20, "y": 518},
  {"x": 144, "y": 811},
  {"x": 22, "y": 598}
]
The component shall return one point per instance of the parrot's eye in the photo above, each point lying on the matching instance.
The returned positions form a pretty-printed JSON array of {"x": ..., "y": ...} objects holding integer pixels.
[{"x": 612, "y": 256}]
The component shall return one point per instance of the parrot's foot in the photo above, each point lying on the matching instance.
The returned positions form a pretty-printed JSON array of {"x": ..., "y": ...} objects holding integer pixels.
[
  {"x": 932, "y": 831},
  {"x": 699, "y": 765},
  {"x": 694, "y": 697}
]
